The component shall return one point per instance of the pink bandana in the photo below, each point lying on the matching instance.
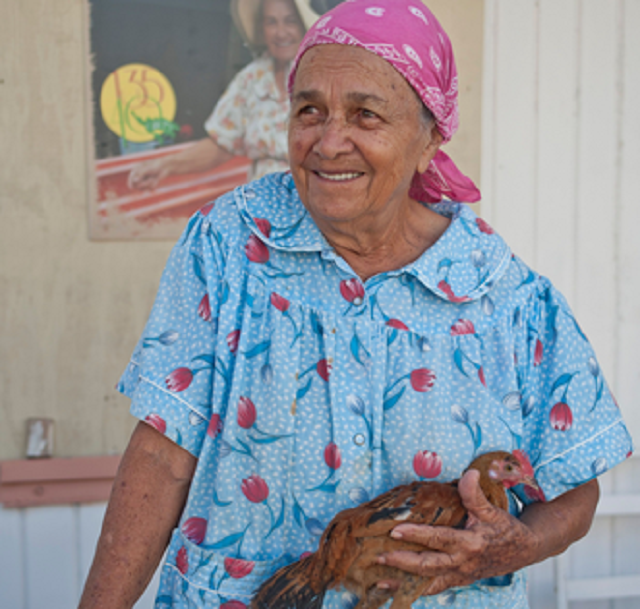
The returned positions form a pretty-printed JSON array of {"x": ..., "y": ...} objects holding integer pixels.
[{"x": 407, "y": 35}]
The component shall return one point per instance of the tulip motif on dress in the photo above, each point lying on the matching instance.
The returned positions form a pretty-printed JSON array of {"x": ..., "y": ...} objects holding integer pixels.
[
  {"x": 460, "y": 415},
  {"x": 461, "y": 328},
  {"x": 427, "y": 464},
  {"x": 420, "y": 380},
  {"x": 256, "y": 490},
  {"x": 259, "y": 253},
  {"x": 352, "y": 291},
  {"x": 561, "y": 416},
  {"x": 282, "y": 304},
  {"x": 247, "y": 417},
  {"x": 333, "y": 460},
  {"x": 322, "y": 367},
  {"x": 165, "y": 339}
]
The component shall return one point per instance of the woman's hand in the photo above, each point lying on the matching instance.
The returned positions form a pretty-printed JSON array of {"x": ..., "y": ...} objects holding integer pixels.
[
  {"x": 494, "y": 542},
  {"x": 147, "y": 175},
  {"x": 204, "y": 155}
]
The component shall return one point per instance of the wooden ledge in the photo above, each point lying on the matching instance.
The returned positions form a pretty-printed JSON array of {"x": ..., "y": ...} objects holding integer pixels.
[{"x": 36, "y": 482}]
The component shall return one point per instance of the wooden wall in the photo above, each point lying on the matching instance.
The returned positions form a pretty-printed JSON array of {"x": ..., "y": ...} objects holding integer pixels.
[{"x": 560, "y": 163}]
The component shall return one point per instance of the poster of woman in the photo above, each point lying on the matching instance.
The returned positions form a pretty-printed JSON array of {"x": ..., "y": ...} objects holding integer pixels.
[{"x": 160, "y": 66}]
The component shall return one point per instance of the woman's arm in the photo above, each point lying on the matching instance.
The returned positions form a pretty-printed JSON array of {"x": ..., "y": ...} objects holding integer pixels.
[
  {"x": 204, "y": 155},
  {"x": 494, "y": 542},
  {"x": 146, "y": 501}
]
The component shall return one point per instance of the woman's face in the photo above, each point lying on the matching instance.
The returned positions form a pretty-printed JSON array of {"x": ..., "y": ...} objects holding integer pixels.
[
  {"x": 282, "y": 29},
  {"x": 356, "y": 137}
]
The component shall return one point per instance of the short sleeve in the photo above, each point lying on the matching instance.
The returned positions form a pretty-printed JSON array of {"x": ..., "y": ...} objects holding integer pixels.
[
  {"x": 169, "y": 377},
  {"x": 573, "y": 429},
  {"x": 227, "y": 124}
]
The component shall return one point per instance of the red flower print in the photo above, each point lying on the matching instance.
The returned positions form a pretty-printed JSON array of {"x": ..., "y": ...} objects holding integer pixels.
[
  {"x": 263, "y": 225},
  {"x": 332, "y": 456},
  {"x": 246, "y": 413},
  {"x": 156, "y": 421},
  {"x": 215, "y": 426},
  {"x": 481, "y": 376},
  {"x": 427, "y": 464},
  {"x": 446, "y": 288},
  {"x": 396, "y": 323},
  {"x": 280, "y": 303},
  {"x": 462, "y": 326},
  {"x": 233, "y": 605},
  {"x": 256, "y": 251},
  {"x": 539, "y": 352},
  {"x": 206, "y": 209},
  {"x": 484, "y": 226},
  {"x": 204, "y": 308},
  {"x": 352, "y": 291},
  {"x": 422, "y": 379},
  {"x": 237, "y": 567},
  {"x": 195, "y": 529},
  {"x": 179, "y": 379},
  {"x": 182, "y": 560},
  {"x": 233, "y": 339},
  {"x": 255, "y": 489},
  {"x": 561, "y": 417},
  {"x": 324, "y": 369}
]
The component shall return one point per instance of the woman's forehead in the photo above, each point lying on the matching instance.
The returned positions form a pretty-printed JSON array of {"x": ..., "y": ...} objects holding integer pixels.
[{"x": 328, "y": 66}]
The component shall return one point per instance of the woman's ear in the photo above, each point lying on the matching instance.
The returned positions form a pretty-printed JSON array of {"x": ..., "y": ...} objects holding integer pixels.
[{"x": 431, "y": 148}]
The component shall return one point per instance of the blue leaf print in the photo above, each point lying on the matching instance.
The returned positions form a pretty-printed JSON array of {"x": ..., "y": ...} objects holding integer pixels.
[
  {"x": 458, "y": 358},
  {"x": 563, "y": 379},
  {"x": 477, "y": 437},
  {"x": 528, "y": 405},
  {"x": 487, "y": 305},
  {"x": 267, "y": 439},
  {"x": 217, "y": 501},
  {"x": 445, "y": 263},
  {"x": 206, "y": 358},
  {"x": 164, "y": 600},
  {"x": 389, "y": 403},
  {"x": 280, "y": 520},
  {"x": 360, "y": 354},
  {"x": 224, "y": 292},
  {"x": 258, "y": 349},
  {"x": 303, "y": 390},
  {"x": 198, "y": 268},
  {"x": 297, "y": 512},
  {"x": 316, "y": 324},
  {"x": 225, "y": 542}
]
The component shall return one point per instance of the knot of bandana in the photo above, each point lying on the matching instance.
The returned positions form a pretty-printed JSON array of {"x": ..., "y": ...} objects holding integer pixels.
[{"x": 407, "y": 35}]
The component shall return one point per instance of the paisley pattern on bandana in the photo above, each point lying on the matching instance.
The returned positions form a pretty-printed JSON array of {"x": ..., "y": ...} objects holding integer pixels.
[
  {"x": 304, "y": 391},
  {"x": 408, "y": 36}
]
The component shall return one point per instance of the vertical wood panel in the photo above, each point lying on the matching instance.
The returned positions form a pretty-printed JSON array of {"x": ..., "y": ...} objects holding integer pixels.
[
  {"x": 52, "y": 560},
  {"x": 12, "y": 583},
  {"x": 596, "y": 217},
  {"x": 627, "y": 373},
  {"x": 513, "y": 212},
  {"x": 89, "y": 522},
  {"x": 557, "y": 139}
]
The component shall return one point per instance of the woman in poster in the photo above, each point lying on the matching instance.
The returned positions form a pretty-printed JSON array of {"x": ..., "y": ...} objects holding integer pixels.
[{"x": 250, "y": 119}]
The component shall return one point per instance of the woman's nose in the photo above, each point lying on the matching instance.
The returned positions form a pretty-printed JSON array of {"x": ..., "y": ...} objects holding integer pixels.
[{"x": 333, "y": 140}]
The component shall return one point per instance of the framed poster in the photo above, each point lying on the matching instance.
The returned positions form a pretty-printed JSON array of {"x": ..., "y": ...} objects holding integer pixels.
[{"x": 158, "y": 68}]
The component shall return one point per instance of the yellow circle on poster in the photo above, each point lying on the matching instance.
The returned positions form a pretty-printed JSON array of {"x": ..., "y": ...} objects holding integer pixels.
[{"x": 138, "y": 103}]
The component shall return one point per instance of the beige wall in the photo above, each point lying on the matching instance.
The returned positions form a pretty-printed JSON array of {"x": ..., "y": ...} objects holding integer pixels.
[{"x": 71, "y": 310}]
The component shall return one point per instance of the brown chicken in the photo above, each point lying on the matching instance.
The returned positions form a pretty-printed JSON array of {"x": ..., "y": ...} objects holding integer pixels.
[{"x": 349, "y": 546}]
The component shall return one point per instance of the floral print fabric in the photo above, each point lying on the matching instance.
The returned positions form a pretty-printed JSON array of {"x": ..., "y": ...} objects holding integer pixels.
[
  {"x": 250, "y": 119},
  {"x": 304, "y": 391}
]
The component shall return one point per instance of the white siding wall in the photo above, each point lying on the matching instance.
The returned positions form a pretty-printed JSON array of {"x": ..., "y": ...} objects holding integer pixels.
[
  {"x": 560, "y": 169},
  {"x": 45, "y": 555}
]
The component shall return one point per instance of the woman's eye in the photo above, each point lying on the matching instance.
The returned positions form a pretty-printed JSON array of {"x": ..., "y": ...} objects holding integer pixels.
[{"x": 368, "y": 114}]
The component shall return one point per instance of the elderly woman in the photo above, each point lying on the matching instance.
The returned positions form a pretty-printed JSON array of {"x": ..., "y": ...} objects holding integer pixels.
[
  {"x": 250, "y": 119},
  {"x": 324, "y": 335}
]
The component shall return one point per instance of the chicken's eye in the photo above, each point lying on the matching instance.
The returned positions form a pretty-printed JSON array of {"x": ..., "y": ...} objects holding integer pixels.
[{"x": 509, "y": 467}]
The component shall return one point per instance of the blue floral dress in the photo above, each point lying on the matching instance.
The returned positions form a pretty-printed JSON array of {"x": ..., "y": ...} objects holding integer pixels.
[{"x": 304, "y": 391}]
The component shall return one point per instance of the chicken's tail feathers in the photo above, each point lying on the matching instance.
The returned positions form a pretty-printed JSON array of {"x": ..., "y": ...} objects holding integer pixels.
[{"x": 290, "y": 588}]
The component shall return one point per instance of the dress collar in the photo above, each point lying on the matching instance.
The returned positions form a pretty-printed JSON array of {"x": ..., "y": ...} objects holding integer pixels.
[{"x": 461, "y": 266}]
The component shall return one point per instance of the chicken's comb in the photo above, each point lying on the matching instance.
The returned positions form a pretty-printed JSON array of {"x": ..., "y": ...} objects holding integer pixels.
[{"x": 522, "y": 458}]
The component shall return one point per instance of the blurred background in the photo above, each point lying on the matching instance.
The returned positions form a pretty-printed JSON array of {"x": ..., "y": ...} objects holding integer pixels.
[{"x": 550, "y": 130}]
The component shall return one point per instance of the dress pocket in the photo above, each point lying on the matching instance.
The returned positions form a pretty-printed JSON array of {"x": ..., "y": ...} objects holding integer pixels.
[{"x": 211, "y": 578}]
